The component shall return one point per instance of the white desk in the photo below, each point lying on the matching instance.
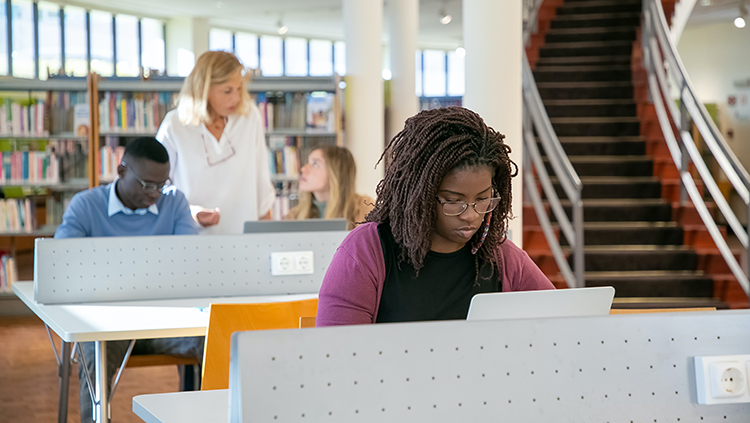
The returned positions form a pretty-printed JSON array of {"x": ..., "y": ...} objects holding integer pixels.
[
  {"x": 183, "y": 407},
  {"x": 128, "y": 320}
]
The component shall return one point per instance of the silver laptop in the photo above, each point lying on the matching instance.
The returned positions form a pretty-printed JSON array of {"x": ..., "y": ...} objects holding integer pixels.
[
  {"x": 309, "y": 225},
  {"x": 539, "y": 304}
]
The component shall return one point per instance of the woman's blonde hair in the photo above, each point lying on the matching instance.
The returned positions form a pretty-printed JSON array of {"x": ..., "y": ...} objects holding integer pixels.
[
  {"x": 342, "y": 199},
  {"x": 212, "y": 68}
]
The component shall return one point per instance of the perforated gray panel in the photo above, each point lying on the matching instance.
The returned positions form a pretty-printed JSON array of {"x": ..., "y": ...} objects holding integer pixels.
[
  {"x": 626, "y": 368},
  {"x": 87, "y": 270}
]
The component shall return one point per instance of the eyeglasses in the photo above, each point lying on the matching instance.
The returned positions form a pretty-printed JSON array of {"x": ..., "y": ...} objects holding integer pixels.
[
  {"x": 217, "y": 158},
  {"x": 456, "y": 208},
  {"x": 147, "y": 186}
]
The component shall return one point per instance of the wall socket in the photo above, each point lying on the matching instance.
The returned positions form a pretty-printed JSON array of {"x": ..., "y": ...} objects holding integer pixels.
[
  {"x": 722, "y": 379},
  {"x": 292, "y": 263}
]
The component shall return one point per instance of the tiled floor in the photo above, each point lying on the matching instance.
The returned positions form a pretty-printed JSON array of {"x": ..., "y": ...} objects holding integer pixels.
[{"x": 29, "y": 385}]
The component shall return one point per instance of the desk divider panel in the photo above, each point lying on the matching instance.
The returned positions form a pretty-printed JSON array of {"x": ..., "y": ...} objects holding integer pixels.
[
  {"x": 616, "y": 369},
  {"x": 84, "y": 270}
]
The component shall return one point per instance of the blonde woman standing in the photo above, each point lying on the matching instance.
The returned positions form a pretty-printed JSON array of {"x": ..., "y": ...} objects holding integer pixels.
[
  {"x": 217, "y": 148},
  {"x": 326, "y": 185}
]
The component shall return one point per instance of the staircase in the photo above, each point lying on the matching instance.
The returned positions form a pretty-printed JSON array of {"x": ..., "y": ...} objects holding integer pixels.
[{"x": 637, "y": 237}]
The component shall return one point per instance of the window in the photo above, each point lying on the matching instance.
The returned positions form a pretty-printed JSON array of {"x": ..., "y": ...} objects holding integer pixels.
[
  {"x": 102, "y": 56},
  {"x": 418, "y": 76},
  {"x": 76, "y": 62},
  {"x": 339, "y": 58},
  {"x": 456, "y": 73},
  {"x": 295, "y": 57},
  {"x": 3, "y": 40},
  {"x": 434, "y": 73},
  {"x": 220, "y": 39},
  {"x": 152, "y": 39},
  {"x": 270, "y": 56},
  {"x": 246, "y": 49},
  {"x": 50, "y": 56},
  {"x": 321, "y": 58},
  {"x": 126, "y": 28},
  {"x": 22, "y": 19}
]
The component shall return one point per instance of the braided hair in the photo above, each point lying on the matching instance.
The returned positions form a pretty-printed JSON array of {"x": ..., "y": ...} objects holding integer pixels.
[{"x": 432, "y": 144}]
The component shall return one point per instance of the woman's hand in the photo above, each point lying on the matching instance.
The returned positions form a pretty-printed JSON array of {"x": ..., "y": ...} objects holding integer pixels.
[{"x": 205, "y": 217}]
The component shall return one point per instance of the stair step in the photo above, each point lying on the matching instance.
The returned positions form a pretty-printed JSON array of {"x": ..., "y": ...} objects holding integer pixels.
[
  {"x": 606, "y": 33},
  {"x": 616, "y": 258},
  {"x": 596, "y": 126},
  {"x": 631, "y": 233},
  {"x": 589, "y": 20},
  {"x": 615, "y": 187},
  {"x": 622, "y": 210},
  {"x": 586, "y": 7},
  {"x": 582, "y": 73},
  {"x": 609, "y": 165},
  {"x": 591, "y": 108},
  {"x": 607, "y": 146},
  {"x": 585, "y": 90},
  {"x": 654, "y": 283},
  {"x": 626, "y": 303},
  {"x": 587, "y": 48},
  {"x": 583, "y": 61}
]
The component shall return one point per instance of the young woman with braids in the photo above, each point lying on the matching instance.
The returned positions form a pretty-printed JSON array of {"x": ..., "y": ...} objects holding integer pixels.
[{"x": 437, "y": 234}]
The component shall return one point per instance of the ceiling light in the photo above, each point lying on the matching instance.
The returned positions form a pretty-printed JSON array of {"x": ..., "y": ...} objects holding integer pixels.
[
  {"x": 281, "y": 28},
  {"x": 705, "y": 2},
  {"x": 445, "y": 18},
  {"x": 739, "y": 22},
  {"x": 460, "y": 52}
]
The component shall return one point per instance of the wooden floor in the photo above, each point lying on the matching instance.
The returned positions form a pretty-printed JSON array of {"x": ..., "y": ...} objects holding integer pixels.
[{"x": 29, "y": 385}]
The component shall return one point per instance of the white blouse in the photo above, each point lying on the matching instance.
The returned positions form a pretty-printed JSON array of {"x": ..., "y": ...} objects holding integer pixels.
[{"x": 232, "y": 173}]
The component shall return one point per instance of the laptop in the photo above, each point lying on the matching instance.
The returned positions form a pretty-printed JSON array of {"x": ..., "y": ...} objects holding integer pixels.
[
  {"x": 309, "y": 225},
  {"x": 575, "y": 302}
]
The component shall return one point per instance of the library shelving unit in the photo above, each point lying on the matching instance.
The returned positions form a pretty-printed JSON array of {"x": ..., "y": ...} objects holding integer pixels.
[
  {"x": 298, "y": 112},
  {"x": 44, "y": 162}
]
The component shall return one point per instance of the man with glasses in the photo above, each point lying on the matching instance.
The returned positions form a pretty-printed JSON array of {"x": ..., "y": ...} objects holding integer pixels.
[{"x": 138, "y": 203}]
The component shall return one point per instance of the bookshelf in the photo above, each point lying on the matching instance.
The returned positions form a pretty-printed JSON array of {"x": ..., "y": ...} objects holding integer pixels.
[
  {"x": 43, "y": 162},
  {"x": 298, "y": 113}
]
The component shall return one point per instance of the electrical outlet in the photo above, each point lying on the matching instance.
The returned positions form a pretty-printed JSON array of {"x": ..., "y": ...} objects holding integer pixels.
[
  {"x": 292, "y": 263},
  {"x": 722, "y": 379}
]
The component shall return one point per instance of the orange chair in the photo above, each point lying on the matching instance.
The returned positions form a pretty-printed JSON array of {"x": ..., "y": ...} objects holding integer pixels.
[{"x": 225, "y": 319}]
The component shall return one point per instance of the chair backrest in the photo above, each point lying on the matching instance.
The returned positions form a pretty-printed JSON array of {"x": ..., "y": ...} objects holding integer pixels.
[
  {"x": 307, "y": 322},
  {"x": 225, "y": 319}
]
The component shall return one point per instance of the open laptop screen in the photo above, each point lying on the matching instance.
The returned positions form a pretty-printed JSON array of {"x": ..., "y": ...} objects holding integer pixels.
[{"x": 594, "y": 301}]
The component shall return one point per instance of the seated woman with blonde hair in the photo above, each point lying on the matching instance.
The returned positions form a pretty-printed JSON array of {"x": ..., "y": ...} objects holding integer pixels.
[{"x": 326, "y": 185}]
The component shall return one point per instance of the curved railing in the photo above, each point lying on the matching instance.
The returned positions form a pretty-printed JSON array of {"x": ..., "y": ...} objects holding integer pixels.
[
  {"x": 662, "y": 64},
  {"x": 536, "y": 119}
]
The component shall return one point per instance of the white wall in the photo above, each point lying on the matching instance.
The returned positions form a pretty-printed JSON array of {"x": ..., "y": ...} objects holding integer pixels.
[{"x": 717, "y": 56}]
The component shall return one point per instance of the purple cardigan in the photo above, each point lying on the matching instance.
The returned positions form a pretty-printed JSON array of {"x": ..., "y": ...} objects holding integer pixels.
[{"x": 353, "y": 284}]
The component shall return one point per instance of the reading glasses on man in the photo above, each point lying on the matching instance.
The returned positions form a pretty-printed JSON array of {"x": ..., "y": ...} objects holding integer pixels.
[
  {"x": 455, "y": 208},
  {"x": 148, "y": 186}
]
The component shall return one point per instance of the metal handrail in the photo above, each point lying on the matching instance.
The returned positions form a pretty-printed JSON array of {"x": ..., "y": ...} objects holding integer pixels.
[
  {"x": 535, "y": 117},
  {"x": 662, "y": 61}
]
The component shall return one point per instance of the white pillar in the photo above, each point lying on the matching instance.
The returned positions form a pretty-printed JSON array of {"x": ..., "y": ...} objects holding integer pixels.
[
  {"x": 493, "y": 42},
  {"x": 403, "y": 24},
  {"x": 187, "y": 38},
  {"x": 363, "y": 26}
]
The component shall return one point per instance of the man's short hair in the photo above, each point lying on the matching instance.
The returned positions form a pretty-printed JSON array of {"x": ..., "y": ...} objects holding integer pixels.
[{"x": 147, "y": 148}]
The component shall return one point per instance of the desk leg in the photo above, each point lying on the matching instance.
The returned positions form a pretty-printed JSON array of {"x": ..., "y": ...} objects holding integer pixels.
[
  {"x": 101, "y": 407},
  {"x": 64, "y": 372}
]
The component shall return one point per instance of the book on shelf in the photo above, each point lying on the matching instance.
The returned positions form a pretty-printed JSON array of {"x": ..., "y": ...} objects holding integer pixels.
[
  {"x": 286, "y": 198},
  {"x": 81, "y": 120},
  {"x": 61, "y": 110},
  {"x": 283, "y": 155},
  {"x": 55, "y": 206},
  {"x": 134, "y": 112},
  {"x": 43, "y": 162},
  {"x": 17, "y": 215},
  {"x": 22, "y": 118},
  {"x": 298, "y": 111},
  {"x": 110, "y": 156},
  {"x": 8, "y": 272}
]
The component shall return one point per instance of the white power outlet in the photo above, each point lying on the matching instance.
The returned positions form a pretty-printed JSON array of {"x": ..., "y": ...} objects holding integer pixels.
[
  {"x": 722, "y": 379},
  {"x": 292, "y": 263}
]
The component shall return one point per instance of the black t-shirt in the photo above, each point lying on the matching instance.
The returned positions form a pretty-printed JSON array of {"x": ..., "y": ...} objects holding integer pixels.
[{"x": 442, "y": 291}]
